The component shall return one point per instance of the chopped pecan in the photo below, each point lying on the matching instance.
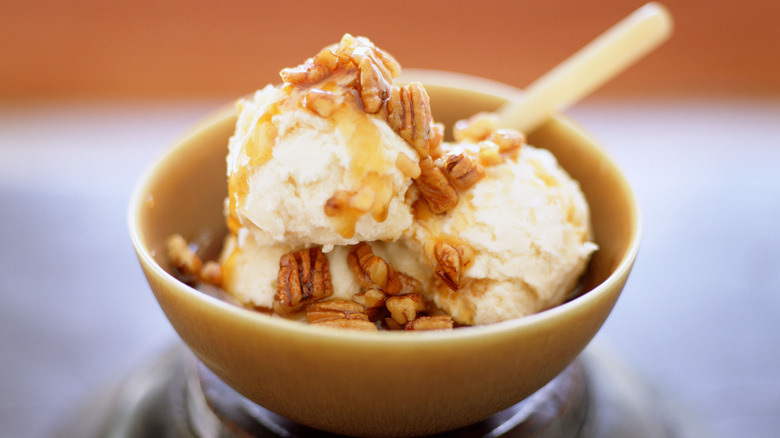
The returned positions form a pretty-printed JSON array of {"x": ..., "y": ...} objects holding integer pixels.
[
  {"x": 439, "y": 322},
  {"x": 370, "y": 271},
  {"x": 373, "y": 300},
  {"x": 463, "y": 171},
  {"x": 303, "y": 276},
  {"x": 434, "y": 187},
  {"x": 407, "y": 166},
  {"x": 315, "y": 69},
  {"x": 404, "y": 308},
  {"x": 347, "y": 323},
  {"x": 390, "y": 324},
  {"x": 489, "y": 154},
  {"x": 437, "y": 136},
  {"x": 448, "y": 264},
  {"x": 409, "y": 114},
  {"x": 477, "y": 128},
  {"x": 211, "y": 273},
  {"x": 335, "y": 309},
  {"x": 323, "y": 103},
  {"x": 373, "y": 272},
  {"x": 399, "y": 283},
  {"x": 370, "y": 298},
  {"x": 509, "y": 141},
  {"x": 373, "y": 87},
  {"x": 182, "y": 258}
]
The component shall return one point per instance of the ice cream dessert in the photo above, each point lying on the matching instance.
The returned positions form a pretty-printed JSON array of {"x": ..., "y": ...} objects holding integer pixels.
[
  {"x": 519, "y": 237},
  {"x": 346, "y": 208}
]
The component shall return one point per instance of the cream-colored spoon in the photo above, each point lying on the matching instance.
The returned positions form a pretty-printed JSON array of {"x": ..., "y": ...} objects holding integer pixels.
[{"x": 592, "y": 66}]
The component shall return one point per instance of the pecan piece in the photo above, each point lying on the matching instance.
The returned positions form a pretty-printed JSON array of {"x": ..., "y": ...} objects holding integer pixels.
[
  {"x": 303, "y": 276},
  {"x": 399, "y": 283},
  {"x": 373, "y": 300},
  {"x": 373, "y": 272},
  {"x": 350, "y": 324},
  {"x": 489, "y": 154},
  {"x": 409, "y": 114},
  {"x": 322, "y": 103},
  {"x": 186, "y": 262},
  {"x": 335, "y": 309},
  {"x": 477, "y": 128},
  {"x": 434, "y": 187},
  {"x": 448, "y": 264},
  {"x": 462, "y": 171},
  {"x": 370, "y": 271},
  {"x": 373, "y": 88},
  {"x": 438, "y": 322},
  {"x": 211, "y": 273},
  {"x": 404, "y": 308},
  {"x": 339, "y": 314},
  {"x": 508, "y": 141},
  {"x": 315, "y": 69},
  {"x": 407, "y": 166},
  {"x": 436, "y": 138}
]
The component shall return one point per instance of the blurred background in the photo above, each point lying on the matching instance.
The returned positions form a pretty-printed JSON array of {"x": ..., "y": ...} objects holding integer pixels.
[{"x": 91, "y": 92}]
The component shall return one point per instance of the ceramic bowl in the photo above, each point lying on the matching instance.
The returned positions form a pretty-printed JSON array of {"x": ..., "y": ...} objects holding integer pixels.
[{"x": 386, "y": 383}]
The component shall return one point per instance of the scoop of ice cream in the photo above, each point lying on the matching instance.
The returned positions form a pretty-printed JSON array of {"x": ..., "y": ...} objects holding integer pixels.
[
  {"x": 287, "y": 165},
  {"x": 519, "y": 238}
]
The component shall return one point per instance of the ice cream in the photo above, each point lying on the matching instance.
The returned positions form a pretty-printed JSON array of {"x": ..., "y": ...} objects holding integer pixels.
[
  {"x": 344, "y": 203},
  {"x": 521, "y": 233}
]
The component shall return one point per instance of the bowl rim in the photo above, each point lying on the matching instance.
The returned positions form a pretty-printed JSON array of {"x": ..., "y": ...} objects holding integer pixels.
[{"x": 428, "y": 77}]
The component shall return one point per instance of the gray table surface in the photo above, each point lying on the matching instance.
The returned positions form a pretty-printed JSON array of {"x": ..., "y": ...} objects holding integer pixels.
[{"x": 698, "y": 319}]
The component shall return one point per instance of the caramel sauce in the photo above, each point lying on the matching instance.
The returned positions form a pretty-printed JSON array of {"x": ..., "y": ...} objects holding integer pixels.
[
  {"x": 369, "y": 170},
  {"x": 256, "y": 150}
]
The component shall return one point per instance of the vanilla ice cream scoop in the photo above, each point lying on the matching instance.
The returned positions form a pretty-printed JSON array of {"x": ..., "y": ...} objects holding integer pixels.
[
  {"x": 516, "y": 243},
  {"x": 286, "y": 164}
]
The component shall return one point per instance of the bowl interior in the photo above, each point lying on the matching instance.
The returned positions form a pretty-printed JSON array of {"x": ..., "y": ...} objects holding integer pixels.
[{"x": 418, "y": 383}]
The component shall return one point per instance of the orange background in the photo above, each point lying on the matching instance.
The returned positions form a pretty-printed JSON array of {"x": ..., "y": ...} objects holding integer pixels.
[{"x": 174, "y": 48}]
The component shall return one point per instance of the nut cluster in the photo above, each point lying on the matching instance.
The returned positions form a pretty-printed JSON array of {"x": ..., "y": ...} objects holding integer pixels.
[{"x": 387, "y": 298}]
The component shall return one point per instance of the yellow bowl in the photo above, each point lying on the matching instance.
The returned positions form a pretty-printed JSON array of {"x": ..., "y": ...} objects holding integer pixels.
[{"x": 387, "y": 383}]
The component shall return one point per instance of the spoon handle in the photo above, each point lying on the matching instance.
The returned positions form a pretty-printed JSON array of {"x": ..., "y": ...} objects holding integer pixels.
[{"x": 603, "y": 58}]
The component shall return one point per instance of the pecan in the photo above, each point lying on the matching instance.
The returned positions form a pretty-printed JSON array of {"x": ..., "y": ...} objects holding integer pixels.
[
  {"x": 489, "y": 154},
  {"x": 477, "y": 128},
  {"x": 409, "y": 114},
  {"x": 335, "y": 309},
  {"x": 303, "y": 276},
  {"x": 370, "y": 271},
  {"x": 439, "y": 322},
  {"x": 407, "y": 166},
  {"x": 322, "y": 103},
  {"x": 390, "y": 324},
  {"x": 182, "y": 257},
  {"x": 434, "y": 187},
  {"x": 211, "y": 273},
  {"x": 370, "y": 298},
  {"x": 448, "y": 264},
  {"x": 373, "y": 272},
  {"x": 373, "y": 88},
  {"x": 404, "y": 308},
  {"x": 399, "y": 283},
  {"x": 339, "y": 313},
  {"x": 347, "y": 323},
  {"x": 508, "y": 141},
  {"x": 462, "y": 171},
  {"x": 315, "y": 69},
  {"x": 436, "y": 137}
]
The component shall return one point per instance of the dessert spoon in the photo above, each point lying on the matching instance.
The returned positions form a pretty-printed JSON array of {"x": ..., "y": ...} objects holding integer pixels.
[{"x": 602, "y": 59}]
